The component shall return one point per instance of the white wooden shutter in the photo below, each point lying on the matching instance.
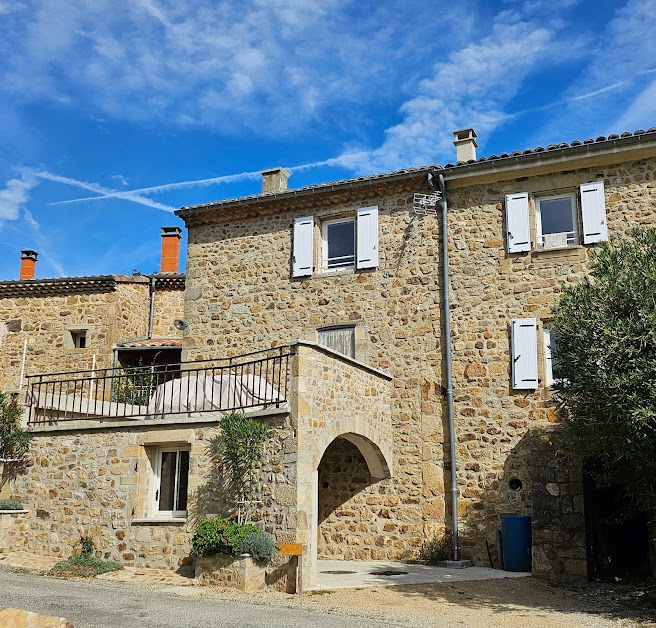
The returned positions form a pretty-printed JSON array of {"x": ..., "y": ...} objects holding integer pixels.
[
  {"x": 302, "y": 247},
  {"x": 518, "y": 231},
  {"x": 367, "y": 244},
  {"x": 593, "y": 209},
  {"x": 524, "y": 353}
]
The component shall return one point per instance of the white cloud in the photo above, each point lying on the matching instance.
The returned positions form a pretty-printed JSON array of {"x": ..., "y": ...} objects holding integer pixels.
[
  {"x": 470, "y": 88},
  {"x": 15, "y": 194},
  {"x": 617, "y": 77},
  {"x": 42, "y": 242},
  {"x": 269, "y": 66}
]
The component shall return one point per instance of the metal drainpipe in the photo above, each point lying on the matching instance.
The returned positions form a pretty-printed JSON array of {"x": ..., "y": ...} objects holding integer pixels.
[
  {"x": 151, "y": 313},
  {"x": 447, "y": 355}
]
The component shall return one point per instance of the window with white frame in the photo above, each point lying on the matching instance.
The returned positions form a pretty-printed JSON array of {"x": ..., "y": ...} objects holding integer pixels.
[
  {"x": 338, "y": 245},
  {"x": 346, "y": 243},
  {"x": 340, "y": 339},
  {"x": 550, "y": 364},
  {"x": 556, "y": 221},
  {"x": 171, "y": 479}
]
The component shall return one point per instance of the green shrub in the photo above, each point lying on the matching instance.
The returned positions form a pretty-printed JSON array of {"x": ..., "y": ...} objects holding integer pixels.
[
  {"x": 10, "y": 504},
  {"x": 86, "y": 546},
  {"x": 260, "y": 545},
  {"x": 436, "y": 549},
  {"x": 219, "y": 535},
  {"x": 84, "y": 566}
]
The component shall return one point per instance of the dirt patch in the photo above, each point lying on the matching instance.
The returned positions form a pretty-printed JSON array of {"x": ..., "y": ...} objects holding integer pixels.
[{"x": 504, "y": 603}]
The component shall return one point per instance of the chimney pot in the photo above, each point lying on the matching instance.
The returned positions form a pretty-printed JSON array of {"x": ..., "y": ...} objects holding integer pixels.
[
  {"x": 28, "y": 264},
  {"x": 465, "y": 142},
  {"x": 274, "y": 180},
  {"x": 170, "y": 261}
]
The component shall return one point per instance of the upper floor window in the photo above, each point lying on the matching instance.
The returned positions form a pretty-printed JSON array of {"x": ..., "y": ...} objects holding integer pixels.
[
  {"x": 556, "y": 219},
  {"x": 338, "y": 245},
  {"x": 346, "y": 243}
]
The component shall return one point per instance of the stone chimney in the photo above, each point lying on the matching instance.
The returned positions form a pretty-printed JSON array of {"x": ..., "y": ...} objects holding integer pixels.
[
  {"x": 465, "y": 141},
  {"x": 28, "y": 264},
  {"x": 170, "y": 249},
  {"x": 274, "y": 180}
]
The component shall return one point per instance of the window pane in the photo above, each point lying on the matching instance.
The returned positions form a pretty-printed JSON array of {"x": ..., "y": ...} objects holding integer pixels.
[
  {"x": 183, "y": 481},
  {"x": 341, "y": 340},
  {"x": 167, "y": 480},
  {"x": 556, "y": 215},
  {"x": 341, "y": 244}
]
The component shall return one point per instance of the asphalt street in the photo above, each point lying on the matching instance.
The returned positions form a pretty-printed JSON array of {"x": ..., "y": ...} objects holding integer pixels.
[{"x": 94, "y": 604}]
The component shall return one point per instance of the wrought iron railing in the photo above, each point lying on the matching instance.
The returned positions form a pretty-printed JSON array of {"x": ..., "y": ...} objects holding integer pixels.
[{"x": 248, "y": 381}]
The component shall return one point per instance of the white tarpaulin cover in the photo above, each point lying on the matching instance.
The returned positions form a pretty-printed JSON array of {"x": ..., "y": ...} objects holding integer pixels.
[{"x": 196, "y": 393}]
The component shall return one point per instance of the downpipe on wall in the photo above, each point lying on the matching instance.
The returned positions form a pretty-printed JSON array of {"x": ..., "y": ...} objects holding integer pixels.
[{"x": 436, "y": 183}]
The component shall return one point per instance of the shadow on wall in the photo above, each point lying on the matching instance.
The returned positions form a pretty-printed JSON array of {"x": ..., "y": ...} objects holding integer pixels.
[
  {"x": 536, "y": 479},
  {"x": 352, "y": 513}
]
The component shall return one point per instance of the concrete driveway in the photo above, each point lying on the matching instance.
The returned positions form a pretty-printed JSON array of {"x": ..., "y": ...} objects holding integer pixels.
[{"x": 343, "y": 574}]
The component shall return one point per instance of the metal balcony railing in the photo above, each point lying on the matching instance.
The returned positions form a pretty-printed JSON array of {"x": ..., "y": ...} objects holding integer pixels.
[{"x": 255, "y": 380}]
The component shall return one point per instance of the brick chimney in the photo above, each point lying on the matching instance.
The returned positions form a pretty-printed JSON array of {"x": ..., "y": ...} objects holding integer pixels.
[
  {"x": 28, "y": 264},
  {"x": 274, "y": 180},
  {"x": 465, "y": 141},
  {"x": 170, "y": 249}
]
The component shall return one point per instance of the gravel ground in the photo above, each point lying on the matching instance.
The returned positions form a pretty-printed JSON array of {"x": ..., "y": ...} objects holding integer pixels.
[
  {"x": 520, "y": 603},
  {"x": 504, "y": 603}
]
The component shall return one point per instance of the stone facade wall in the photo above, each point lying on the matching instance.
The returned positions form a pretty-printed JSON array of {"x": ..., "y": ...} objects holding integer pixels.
[
  {"x": 489, "y": 288},
  {"x": 44, "y": 322},
  {"x": 361, "y": 518},
  {"x": 101, "y": 479},
  {"x": 169, "y": 306},
  {"x": 559, "y": 539},
  {"x": 242, "y": 295},
  {"x": 14, "y": 521},
  {"x": 109, "y": 316}
]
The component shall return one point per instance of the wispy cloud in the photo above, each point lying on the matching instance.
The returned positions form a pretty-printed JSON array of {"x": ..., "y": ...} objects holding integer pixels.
[
  {"x": 267, "y": 66},
  {"x": 42, "y": 242},
  {"x": 14, "y": 196},
  {"x": 618, "y": 76}
]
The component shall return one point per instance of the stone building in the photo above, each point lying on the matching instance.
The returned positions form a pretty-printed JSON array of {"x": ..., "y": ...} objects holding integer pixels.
[
  {"x": 81, "y": 323},
  {"x": 340, "y": 286}
]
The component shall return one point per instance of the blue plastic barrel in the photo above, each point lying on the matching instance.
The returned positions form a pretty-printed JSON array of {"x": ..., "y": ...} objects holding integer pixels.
[{"x": 516, "y": 533}]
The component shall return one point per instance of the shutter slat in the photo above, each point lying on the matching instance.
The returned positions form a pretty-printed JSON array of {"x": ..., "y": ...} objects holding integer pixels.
[
  {"x": 524, "y": 353},
  {"x": 303, "y": 253},
  {"x": 367, "y": 244},
  {"x": 593, "y": 211},
  {"x": 518, "y": 231}
]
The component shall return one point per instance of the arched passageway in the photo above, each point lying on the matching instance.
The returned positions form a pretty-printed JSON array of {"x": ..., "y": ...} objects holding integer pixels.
[{"x": 353, "y": 500}]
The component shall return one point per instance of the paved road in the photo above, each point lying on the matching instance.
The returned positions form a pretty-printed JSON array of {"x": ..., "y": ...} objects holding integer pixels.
[{"x": 96, "y": 604}]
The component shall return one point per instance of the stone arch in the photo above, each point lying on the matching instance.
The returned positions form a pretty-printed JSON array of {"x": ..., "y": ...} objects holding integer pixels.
[{"x": 376, "y": 449}]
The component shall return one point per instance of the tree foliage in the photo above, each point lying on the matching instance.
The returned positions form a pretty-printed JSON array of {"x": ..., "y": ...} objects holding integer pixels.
[
  {"x": 605, "y": 366},
  {"x": 14, "y": 440},
  {"x": 240, "y": 448}
]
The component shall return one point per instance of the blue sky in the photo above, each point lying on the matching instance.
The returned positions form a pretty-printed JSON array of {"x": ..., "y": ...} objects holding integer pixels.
[{"x": 113, "y": 113}]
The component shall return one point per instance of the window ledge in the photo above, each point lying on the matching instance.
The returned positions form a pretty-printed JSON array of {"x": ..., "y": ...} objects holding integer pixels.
[
  {"x": 575, "y": 252},
  {"x": 162, "y": 521}
]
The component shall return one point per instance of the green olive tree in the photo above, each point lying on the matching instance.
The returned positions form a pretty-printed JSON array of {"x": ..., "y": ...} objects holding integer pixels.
[
  {"x": 605, "y": 366},
  {"x": 14, "y": 440}
]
